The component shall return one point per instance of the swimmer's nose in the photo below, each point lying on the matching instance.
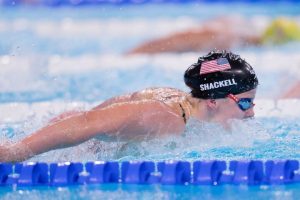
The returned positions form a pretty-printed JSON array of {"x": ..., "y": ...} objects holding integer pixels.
[{"x": 249, "y": 113}]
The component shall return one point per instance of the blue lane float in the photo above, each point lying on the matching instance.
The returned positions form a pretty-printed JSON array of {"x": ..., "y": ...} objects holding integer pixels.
[
  {"x": 280, "y": 172},
  {"x": 31, "y": 174},
  {"x": 208, "y": 172},
  {"x": 247, "y": 172},
  {"x": 5, "y": 171},
  {"x": 101, "y": 172},
  {"x": 67, "y": 173},
  {"x": 214, "y": 172},
  {"x": 175, "y": 172},
  {"x": 137, "y": 172}
]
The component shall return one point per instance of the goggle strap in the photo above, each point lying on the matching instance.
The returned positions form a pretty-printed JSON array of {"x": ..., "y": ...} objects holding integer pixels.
[{"x": 234, "y": 98}]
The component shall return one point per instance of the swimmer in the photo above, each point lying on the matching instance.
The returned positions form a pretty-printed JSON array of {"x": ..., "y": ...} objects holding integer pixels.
[
  {"x": 223, "y": 33},
  {"x": 223, "y": 86},
  {"x": 293, "y": 92}
]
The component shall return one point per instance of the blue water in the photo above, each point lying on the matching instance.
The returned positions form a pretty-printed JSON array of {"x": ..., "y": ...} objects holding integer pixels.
[
  {"x": 158, "y": 192},
  {"x": 51, "y": 57}
]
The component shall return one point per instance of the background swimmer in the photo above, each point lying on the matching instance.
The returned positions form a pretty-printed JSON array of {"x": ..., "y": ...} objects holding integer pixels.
[
  {"x": 224, "y": 33},
  {"x": 293, "y": 92},
  {"x": 153, "y": 112}
]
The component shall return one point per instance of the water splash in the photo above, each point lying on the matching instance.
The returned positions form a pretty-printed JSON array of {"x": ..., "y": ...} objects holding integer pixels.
[{"x": 199, "y": 138}]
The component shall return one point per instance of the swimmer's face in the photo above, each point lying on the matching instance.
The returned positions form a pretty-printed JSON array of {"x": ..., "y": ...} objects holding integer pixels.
[{"x": 228, "y": 109}]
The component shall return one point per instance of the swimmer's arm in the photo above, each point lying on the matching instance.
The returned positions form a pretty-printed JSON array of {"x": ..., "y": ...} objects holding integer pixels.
[
  {"x": 206, "y": 38},
  {"x": 196, "y": 40},
  {"x": 293, "y": 92},
  {"x": 178, "y": 42},
  {"x": 81, "y": 127}
]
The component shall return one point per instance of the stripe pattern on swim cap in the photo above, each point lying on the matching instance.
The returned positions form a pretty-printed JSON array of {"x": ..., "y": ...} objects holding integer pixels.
[{"x": 216, "y": 65}]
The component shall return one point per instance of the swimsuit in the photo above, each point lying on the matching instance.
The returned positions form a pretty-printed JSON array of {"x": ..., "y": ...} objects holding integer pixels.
[
  {"x": 183, "y": 113},
  {"x": 169, "y": 96}
]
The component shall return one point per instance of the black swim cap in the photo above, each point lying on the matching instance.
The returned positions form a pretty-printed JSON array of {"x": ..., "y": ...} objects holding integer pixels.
[{"x": 218, "y": 74}]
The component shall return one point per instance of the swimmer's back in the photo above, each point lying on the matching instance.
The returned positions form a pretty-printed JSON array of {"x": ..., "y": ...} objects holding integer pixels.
[
  {"x": 173, "y": 98},
  {"x": 165, "y": 95},
  {"x": 168, "y": 96}
]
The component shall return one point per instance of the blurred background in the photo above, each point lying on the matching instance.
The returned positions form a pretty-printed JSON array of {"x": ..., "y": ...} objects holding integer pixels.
[{"x": 90, "y": 50}]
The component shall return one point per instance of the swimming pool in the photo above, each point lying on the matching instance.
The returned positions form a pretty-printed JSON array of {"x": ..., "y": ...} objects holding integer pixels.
[{"x": 57, "y": 59}]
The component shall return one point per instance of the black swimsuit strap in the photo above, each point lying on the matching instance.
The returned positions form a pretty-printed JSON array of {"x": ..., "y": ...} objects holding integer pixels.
[{"x": 183, "y": 113}]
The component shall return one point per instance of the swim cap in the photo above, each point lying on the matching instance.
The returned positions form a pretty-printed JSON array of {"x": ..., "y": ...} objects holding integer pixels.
[{"x": 218, "y": 74}]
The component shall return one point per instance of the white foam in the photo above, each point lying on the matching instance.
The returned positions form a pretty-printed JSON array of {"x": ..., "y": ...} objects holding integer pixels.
[
  {"x": 17, "y": 112},
  {"x": 84, "y": 63},
  {"x": 14, "y": 112},
  {"x": 23, "y": 73},
  {"x": 274, "y": 60},
  {"x": 262, "y": 61},
  {"x": 92, "y": 28},
  {"x": 113, "y": 27}
]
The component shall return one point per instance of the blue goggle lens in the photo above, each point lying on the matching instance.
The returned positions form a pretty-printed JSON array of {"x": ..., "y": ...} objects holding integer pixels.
[{"x": 245, "y": 103}]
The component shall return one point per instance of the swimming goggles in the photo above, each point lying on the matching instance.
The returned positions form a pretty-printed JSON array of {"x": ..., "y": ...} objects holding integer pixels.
[{"x": 243, "y": 103}]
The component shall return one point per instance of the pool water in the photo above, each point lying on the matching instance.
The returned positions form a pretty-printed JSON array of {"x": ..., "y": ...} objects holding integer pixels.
[
  {"x": 58, "y": 59},
  {"x": 157, "y": 192}
]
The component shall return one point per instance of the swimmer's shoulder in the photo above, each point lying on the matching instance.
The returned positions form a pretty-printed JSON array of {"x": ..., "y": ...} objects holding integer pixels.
[
  {"x": 164, "y": 103},
  {"x": 158, "y": 93},
  {"x": 174, "y": 99},
  {"x": 165, "y": 95}
]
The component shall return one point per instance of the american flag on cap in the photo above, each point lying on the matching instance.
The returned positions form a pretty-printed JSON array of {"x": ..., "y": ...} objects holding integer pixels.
[{"x": 217, "y": 65}]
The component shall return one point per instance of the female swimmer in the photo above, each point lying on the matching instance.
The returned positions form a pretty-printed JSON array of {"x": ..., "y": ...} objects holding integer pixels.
[{"x": 223, "y": 86}]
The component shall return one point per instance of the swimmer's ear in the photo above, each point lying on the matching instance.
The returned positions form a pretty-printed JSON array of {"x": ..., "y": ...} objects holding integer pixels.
[{"x": 211, "y": 103}]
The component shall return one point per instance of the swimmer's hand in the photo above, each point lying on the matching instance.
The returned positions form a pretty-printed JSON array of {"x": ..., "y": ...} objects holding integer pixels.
[
  {"x": 7, "y": 154},
  {"x": 13, "y": 153}
]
